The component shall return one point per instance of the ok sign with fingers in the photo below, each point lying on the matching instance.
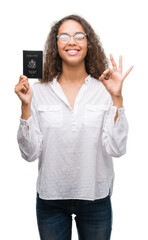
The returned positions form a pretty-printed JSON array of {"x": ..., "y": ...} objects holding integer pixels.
[{"x": 115, "y": 78}]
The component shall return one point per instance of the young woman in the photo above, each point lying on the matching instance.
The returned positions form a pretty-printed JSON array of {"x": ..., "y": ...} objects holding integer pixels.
[{"x": 73, "y": 120}]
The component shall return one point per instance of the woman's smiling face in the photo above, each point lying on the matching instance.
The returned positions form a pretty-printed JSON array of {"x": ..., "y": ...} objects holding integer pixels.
[{"x": 73, "y": 51}]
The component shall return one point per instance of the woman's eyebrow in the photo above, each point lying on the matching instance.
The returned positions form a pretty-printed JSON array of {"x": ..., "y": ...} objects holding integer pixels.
[
  {"x": 69, "y": 33},
  {"x": 63, "y": 33}
]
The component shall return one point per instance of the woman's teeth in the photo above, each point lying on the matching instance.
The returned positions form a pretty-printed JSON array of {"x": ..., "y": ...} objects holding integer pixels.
[{"x": 72, "y": 52}]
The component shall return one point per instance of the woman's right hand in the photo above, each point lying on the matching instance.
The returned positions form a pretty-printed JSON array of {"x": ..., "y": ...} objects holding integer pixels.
[{"x": 23, "y": 90}]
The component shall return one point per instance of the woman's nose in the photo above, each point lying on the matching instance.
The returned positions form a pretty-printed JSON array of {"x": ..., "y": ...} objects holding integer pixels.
[{"x": 72, "y": 41}]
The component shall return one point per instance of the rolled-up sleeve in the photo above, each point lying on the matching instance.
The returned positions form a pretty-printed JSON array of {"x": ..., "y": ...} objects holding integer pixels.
[
  {"x": 29, "y": 136},
  {"x": 114, "y": 135}
]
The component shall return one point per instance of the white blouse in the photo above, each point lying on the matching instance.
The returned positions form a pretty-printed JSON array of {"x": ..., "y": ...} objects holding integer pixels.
[{"x": 74, "y": 146}]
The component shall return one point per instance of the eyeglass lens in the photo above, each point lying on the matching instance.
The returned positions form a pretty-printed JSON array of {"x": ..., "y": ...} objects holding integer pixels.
[{"x": 77, "y": 36}]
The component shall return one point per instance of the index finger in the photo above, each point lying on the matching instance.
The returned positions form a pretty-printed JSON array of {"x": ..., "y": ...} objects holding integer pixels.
[{"x": 23, "y": 77}]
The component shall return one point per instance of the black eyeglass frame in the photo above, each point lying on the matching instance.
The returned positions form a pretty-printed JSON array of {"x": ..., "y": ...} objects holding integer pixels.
[{"x": 71, "y": 35}]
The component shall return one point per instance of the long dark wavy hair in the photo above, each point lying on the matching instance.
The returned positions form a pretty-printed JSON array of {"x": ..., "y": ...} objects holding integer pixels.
[{"x": 95, "y": 61}]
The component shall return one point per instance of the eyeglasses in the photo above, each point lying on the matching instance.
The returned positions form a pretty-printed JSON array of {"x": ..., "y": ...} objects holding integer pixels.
[{"x": 65, "y": 37}]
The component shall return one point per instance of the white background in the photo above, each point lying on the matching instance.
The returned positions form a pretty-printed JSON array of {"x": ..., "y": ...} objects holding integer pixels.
[{"x": 122, "y": 27}]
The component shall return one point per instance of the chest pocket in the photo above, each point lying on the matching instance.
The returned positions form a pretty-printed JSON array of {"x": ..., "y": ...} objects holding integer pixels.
[
  {"x": 51, "y": 115},
  {"x": 94, "y": 114}
]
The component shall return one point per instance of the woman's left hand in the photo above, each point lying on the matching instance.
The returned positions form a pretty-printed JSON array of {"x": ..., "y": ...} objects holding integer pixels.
[{"x": 115, "y": 81}]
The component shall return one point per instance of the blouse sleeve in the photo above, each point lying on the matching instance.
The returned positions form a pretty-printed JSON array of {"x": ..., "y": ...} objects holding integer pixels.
[
  {"x": 29, "y": 136},
  {"x": 114, "y": 135}
]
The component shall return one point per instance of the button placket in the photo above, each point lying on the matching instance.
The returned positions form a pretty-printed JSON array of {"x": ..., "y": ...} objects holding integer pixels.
[{"x": 74, "y": 122}]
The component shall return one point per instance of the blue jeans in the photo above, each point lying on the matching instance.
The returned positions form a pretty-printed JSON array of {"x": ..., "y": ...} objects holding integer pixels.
[{"x": 93, "y": 218}]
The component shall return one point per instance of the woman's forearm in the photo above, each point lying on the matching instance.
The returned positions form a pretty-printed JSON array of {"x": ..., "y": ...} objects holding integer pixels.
[{"x": 26, "y": 111}]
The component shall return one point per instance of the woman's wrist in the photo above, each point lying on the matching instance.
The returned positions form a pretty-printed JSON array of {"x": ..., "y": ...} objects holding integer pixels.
[{"x": 117, "y": 101}]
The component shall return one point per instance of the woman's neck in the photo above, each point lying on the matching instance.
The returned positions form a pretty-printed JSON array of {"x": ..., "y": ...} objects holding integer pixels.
[{"x": 73, "y": 74}]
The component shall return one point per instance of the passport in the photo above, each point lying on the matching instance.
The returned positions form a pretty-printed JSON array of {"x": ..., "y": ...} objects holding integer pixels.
[{"x": 33, "y": 64}]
